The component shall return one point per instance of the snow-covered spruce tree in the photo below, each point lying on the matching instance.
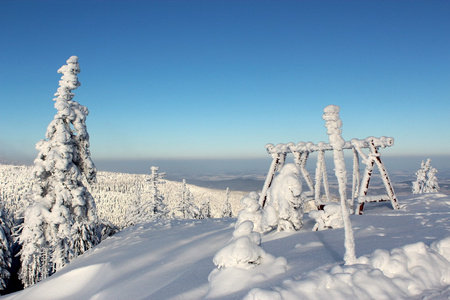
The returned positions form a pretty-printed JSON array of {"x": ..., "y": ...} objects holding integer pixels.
[
  {"x": 426, "y": 181},
  {"x": 5, "y": 249},
  {"x": 226, "y": 208},
  {"x": 155, "y": 207},
  {"x": 333, "y": 124},
  {"x": 186, "y": 209},
  {"x": 205, "y": 210},
  {"x": 62, "y": 223}
]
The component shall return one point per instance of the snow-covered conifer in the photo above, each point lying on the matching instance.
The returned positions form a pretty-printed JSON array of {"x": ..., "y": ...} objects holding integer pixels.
[
  {"x": 5, "y": 248},
  {"x": 205, "y": 210},
  {"x": 226, "y": 208},
  {"x": 426, "y": 181},
  {"x": 156, "y": 207},
  {"x": 62, "y": 223},
  {"x": 285, "y": 200},
  {"x": 186, "y": 208}
]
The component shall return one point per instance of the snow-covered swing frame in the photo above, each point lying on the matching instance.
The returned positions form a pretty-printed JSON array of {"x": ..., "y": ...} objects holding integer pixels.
[{"x": 301, "y": 152}]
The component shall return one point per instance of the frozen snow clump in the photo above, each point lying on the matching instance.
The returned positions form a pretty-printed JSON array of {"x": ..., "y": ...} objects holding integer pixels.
[
  {"x": 284, "y": 208},
  {"x": 251, "y": 212},
  {"x": 329, "y": 217},
  {"x": 243, "y": 250},
  {"x": 242, "y": 262}
]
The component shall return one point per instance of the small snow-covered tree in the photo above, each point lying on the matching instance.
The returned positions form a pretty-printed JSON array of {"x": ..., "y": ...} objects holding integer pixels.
[
  {"x": 205, "y": 210},
  {"x": 62, "y": 223},
  {"x": 156, "y": 207},
  {"x": 186, "y": 208},
  {"x": 426, "y": 181},
  {"x": 284, "y": 209},
  {"x": 226, "y": 208}
]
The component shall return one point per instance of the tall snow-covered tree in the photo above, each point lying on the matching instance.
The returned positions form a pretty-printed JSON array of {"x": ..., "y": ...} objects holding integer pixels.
[
  {"x": 5, "y": 249},
  {"x": 426, "y": 181},
  {"x": 62, "y": 223}
]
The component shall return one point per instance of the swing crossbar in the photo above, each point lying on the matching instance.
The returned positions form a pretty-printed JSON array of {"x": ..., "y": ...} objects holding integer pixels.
[{"x": 301, "y": 152}]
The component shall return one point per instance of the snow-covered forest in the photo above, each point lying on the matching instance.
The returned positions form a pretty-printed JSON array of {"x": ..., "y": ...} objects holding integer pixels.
[
  {"x": 70, "y": 232},
  {"x": 116, "y": 194}
]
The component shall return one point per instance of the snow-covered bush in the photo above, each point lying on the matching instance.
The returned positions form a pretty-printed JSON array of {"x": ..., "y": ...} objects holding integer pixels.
[
  {"x": 284, "y": 208},
  {"x": 62, "y": 223},
  {"x": 251, "y": 212},
  {"x": 243, "y": 250},
  {"x": 329, "y": 217},
  {"x": 426, "y": 181},
  {"x": 241, "y": 255}
]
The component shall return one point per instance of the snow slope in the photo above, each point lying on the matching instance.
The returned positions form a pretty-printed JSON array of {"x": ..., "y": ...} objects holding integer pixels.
[{"x": 172, "y": 260}]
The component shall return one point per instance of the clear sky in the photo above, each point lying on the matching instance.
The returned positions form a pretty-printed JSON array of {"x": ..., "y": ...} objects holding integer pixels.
[{"x": 220, "y": 79}]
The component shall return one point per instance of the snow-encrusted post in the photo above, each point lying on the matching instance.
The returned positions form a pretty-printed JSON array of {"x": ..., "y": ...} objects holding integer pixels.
[
  {"x": 300, "y": 159},
  {"x": 277, "y": 158},
  {"x": 356, "y": 179},
  {"x": 333, "y": 125},
  {"x": 321, "y": 174}
]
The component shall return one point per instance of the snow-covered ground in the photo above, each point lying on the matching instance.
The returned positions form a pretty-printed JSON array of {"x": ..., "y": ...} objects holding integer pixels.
[{"x": 401, "y": 254}]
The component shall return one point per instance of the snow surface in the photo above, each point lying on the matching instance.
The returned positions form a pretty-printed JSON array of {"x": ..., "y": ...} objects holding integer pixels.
[{"x": 402, "y": 254}]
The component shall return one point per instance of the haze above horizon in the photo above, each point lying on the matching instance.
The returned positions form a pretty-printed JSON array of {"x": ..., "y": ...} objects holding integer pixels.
[{"x": 221, "y": 79}]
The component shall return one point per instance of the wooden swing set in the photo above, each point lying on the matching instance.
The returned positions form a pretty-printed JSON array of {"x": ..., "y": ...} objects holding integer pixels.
[{"x": 301, "y": 152}]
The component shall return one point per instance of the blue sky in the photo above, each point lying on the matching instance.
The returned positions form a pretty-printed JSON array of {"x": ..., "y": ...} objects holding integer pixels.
[{"x": 220, "y": 79}]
